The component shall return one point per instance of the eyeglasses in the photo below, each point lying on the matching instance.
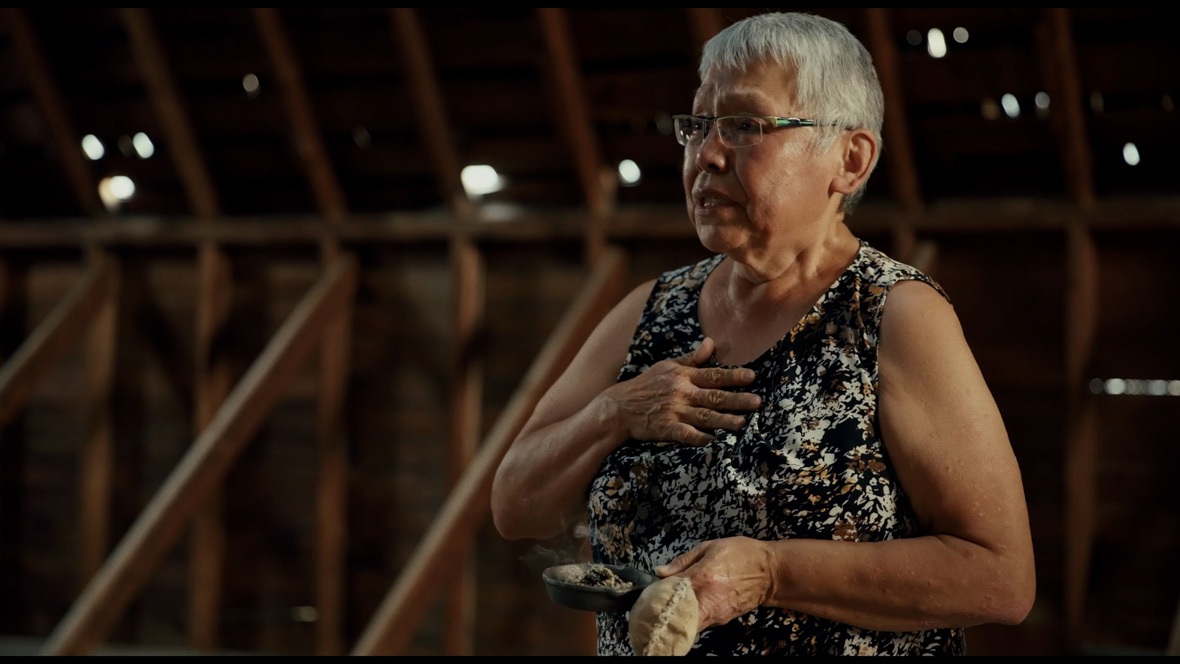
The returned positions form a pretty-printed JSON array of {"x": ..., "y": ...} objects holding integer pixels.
[{"x": 735, "y": 131}]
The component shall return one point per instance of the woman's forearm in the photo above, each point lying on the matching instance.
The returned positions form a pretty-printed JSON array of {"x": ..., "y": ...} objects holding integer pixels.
[
  {"x": 901, "y": 585},
  {"x": 540, "y": 487}
]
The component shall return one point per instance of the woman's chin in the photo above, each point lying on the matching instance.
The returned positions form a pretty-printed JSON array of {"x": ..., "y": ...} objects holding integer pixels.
[{"x": 718, "y": 240}]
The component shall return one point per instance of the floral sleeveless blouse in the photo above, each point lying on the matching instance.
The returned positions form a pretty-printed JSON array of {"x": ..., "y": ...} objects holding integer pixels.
[{"x": 809, "y": 463}]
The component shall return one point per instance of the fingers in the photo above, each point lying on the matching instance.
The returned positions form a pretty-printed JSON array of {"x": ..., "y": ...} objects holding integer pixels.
[
  {"x": 711, "y": 419},
  {"x": 725, "y": 400},
  {"x": 699, "y": 355},
  {"x": 679, "y": 563}
]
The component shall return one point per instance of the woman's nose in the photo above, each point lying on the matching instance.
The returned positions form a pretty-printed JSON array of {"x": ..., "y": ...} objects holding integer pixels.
[{"x": 711, "y": 153}]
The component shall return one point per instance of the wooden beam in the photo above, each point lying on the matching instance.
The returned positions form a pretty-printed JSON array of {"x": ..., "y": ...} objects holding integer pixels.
[
  {"x": 572, "y": 116},
  {"x": 165, "y": 97},
  {"x": 97, "y": 458},
  {"x": 65, "y": 139},
  {"x": 331, "y": 501},
  {"x": 656, "y": 222},
  {"x": 897, "y": 146},
  {"x": 1060, "y": 69},
  {"x": 60, "y": 331},
  {"x": 332, "y": 480},
  {"x": 307, "y": 139},
  {"x": 202, "y": 468},
  {"x": 467, "y": 275},
  {"x": 467, "y": 270},
  {"x": 400, "y": 613},
  {"x": 1081, "y": 444},
  {"x": 212, "y": 378},
  {"x": 212, "y": 381},
  {"x": 433, "y": 125}
]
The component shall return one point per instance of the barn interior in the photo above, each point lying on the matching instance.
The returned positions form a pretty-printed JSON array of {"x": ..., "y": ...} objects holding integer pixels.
[{"x": 279, "y": 286}]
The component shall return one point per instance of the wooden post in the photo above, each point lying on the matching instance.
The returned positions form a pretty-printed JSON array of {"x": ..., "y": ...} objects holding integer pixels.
[
  {"x": 897, "y": 146},
  {"x": 400, "y": 613},
  {"x": 332, "y": 483},
  {"x": 212, "y": 379}
]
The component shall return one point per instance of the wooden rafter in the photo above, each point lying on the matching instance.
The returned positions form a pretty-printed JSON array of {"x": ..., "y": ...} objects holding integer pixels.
[
  {"x": 51, "y": 104},
  {"x": 1060, "y": 70},
  {"x": 430, "y": 108},
  {"x": 165, "y": 97},
  {"x": 400, "y": 613},
  {"x": 956, "y": 217},
  {"x": 572, "y": 117},
  {"x": 202, "y": 468},
  {"x": 306, "y": 137}
]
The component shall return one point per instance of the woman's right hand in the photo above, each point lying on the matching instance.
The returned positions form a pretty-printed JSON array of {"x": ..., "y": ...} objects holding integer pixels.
[{"x": 679, "y": 400}]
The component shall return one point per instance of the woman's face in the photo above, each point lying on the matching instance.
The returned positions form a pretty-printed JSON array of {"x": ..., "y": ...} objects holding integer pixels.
[{"x": 755, "y": 202}]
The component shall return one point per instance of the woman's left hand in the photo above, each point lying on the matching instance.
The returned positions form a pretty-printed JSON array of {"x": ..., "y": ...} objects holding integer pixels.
[{"x": 730, "y": 576}]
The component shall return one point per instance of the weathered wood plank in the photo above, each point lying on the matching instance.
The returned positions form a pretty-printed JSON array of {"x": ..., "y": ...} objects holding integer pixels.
[
  {"x": 1081, "y": 444},
  {"x": 309, "y": 144},
  {"x": 572, "y": 118},
  {"x": 96, "y": 459},
  {"x": 53, "y": 337},
  {"x": 202, "y": 468}
]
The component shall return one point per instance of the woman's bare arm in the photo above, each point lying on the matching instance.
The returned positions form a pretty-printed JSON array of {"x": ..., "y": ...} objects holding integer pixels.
[{"x": 973, "y": 563}]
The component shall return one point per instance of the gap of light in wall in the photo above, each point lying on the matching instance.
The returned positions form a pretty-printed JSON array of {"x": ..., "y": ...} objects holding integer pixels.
[
  {"x": 480, "y": 179},
  {"x": 1011, "y": 106},
  {"x": 1135, "y": 387},
  {"x": 1041, "y": 101},
  {"x": 629, "y": 173},
  {"x": 250, "y": 84},
  {"x": 304, "y": 614},
  {"x": 92, "y": 147},
  {"x": 1131, "y": 154},
  {"x": 115, "y": 189},
  {"x": 360, "y": 135},
  {"x": 935, "y": 43},
  {"x": 913, "y": 37},
  {"x": 960, "y": 35},
  {"x": 143, "y": 145}
]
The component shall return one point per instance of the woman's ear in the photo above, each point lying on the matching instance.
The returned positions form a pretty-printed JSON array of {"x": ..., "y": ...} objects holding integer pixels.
[{"x": 859, "y": 153}]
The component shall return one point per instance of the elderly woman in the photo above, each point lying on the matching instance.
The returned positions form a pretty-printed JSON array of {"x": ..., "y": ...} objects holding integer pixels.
[{"x": 795, "y": 424}]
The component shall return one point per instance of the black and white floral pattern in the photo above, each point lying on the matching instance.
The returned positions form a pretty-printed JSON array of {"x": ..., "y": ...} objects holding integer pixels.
[{"x": 809, "y": 463}]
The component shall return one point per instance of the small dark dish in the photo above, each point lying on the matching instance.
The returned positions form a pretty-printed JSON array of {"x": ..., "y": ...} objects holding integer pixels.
[{"x": 564, "y": 591}]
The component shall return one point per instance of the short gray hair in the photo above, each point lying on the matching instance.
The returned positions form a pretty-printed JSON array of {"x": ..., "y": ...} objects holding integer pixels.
[{"x": 835, "y": 81}]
